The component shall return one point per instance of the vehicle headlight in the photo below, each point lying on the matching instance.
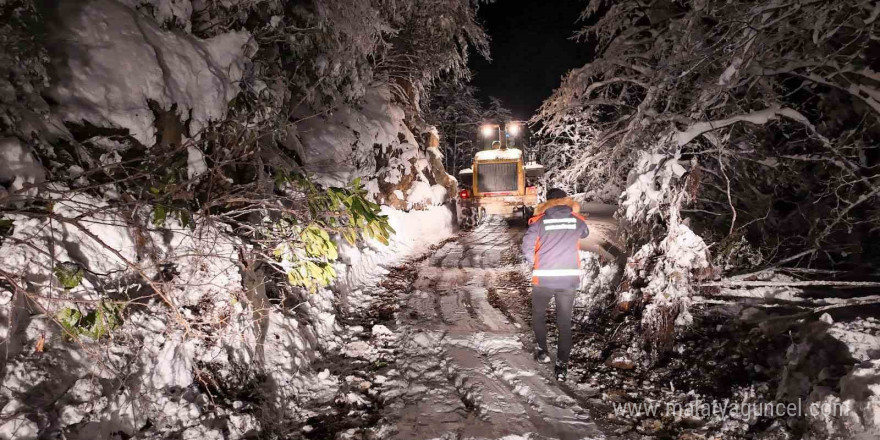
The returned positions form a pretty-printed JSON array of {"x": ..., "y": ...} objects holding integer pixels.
[
  {"x": 513, "y": 129},
  {"x": 487, "y": 130}
]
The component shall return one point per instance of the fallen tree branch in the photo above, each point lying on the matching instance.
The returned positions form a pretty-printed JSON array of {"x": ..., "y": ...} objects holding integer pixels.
[
  {"x": 775, "y": 266},
  {"x": 737, "y": 283},
  {"x": 868, "y": 300},
  {"x": 811, "y": 305},
  {"x": 782, "y": 323}
]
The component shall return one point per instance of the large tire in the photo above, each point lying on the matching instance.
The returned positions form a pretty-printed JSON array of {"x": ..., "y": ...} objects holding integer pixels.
[{"x": 469, "y": 216}]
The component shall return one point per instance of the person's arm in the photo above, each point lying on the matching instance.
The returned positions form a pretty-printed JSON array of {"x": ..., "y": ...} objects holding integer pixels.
[
  {"x": 585, "y": 231},
  {"x": 530, "y": 240}
]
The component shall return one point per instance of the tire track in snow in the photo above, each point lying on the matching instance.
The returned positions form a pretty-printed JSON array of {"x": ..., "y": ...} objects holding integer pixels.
[
  {"x": 436, "y": 295},
  {"x": 469, "y": 304},
  {"x": 467, "y": 373}
]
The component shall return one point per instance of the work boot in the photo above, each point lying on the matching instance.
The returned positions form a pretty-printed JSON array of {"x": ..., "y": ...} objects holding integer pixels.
[
  {"x": 542, "y": 356},
  {"x": 561, "y": 371}
]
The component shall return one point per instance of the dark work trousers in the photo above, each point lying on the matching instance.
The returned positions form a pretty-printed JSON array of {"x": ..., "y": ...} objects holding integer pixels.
[{"x": 564, "y": 304}]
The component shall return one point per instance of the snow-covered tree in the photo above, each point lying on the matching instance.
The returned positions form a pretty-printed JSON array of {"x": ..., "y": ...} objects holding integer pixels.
[
  {"x": 326, "y": 52},
  {"x": 755, "y": 123},
  {"x": 457, "y": 113},
  {"x": 229, "y": 95},
  {"x": 494, "y": 110}
]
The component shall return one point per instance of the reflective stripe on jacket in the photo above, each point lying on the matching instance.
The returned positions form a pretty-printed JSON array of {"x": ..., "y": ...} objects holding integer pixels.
[{"x": 551, "y": 244}]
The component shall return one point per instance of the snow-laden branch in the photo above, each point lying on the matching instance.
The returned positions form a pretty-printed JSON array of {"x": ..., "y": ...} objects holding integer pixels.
[{"x": 758, "y": 117}]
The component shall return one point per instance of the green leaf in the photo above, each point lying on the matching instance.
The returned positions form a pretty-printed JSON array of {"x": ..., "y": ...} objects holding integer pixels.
[
  {"x": 6, "y": 226},
  {"x": 185, "y": 218},
  {"x": 350, "y": 235},
  {"x": 106, "y": 317},
  {"x": 160, "y": 213},
  {"x": 334, "y": 212},
  {"x": 69, "y": 319},
  {"x": 69, "y": 274}
]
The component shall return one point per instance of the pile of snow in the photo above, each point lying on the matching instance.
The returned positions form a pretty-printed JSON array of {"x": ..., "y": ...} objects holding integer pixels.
[
  {"x": 499, "y": 154},
  {"x": 110, "y": 61},
  {"x": 848, "y": 407},
  {"x": 195, "y": 162},
  {"x": 19, "y": 169},
  {"x": 422, "y": 193},
  {"x": 373, "y": 142},
  {"x": 340, "y": 147},
  {"x": 416, "y": 232}
]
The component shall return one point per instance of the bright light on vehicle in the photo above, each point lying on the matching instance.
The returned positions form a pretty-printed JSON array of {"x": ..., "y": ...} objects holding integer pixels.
[
  {"x": 487, "y": 130},
  {"x": 513, "y": 129}
]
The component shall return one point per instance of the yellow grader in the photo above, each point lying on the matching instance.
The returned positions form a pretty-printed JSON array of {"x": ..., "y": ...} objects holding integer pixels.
[{"x": 499, "y": 182}]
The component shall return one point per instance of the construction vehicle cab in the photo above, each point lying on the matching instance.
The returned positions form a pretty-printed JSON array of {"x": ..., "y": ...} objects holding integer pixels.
[{"x": 500, "y": 180}]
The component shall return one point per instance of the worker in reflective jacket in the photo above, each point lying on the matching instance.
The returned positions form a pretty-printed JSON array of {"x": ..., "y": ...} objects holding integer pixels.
[{"x": 551, "y": 247}]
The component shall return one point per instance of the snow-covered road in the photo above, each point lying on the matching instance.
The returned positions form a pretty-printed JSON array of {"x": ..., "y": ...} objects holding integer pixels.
[{"x": 465, "y": 368}]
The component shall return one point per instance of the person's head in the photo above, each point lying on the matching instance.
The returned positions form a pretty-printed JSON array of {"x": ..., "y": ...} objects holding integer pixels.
[
  {"x": 496, "y": 145},
  {"x": 556, "y": 193}
]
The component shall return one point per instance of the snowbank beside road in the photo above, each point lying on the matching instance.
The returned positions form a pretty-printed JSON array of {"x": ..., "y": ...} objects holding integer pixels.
[
  {"x": 180, "y": 351},
  {"x": 416, "y": 232}
]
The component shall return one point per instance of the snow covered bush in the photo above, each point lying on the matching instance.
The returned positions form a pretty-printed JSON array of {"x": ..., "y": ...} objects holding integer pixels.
[
  {"x": 377, "y": 142},
  {"x": 667, "y": 257},
  {"x": 306, "y": 252},
  {"x": 115, "y": 84},
  {"x": 761, "y": 94}
]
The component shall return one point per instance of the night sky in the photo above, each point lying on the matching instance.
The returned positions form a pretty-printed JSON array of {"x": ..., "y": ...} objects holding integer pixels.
[{"x": 531, "y": 50}]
